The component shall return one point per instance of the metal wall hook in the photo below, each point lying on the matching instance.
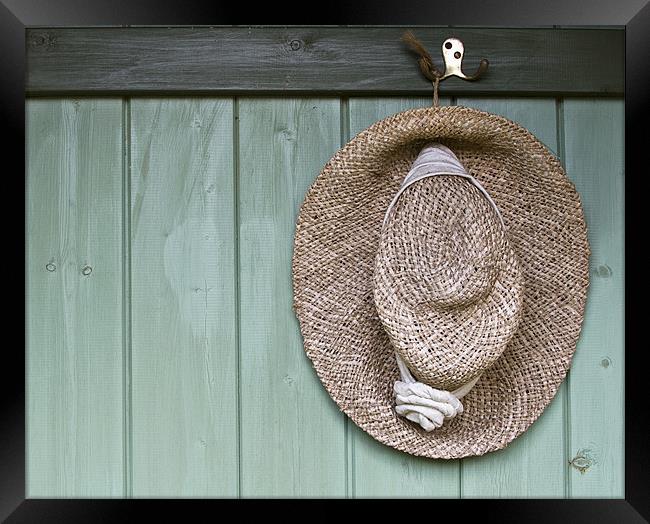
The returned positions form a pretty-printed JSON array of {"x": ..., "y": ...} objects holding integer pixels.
[{"x": 453, "y": 51}]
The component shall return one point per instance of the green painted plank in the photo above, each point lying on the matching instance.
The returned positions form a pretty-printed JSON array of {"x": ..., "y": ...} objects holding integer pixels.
[
  {"x": 381, "y": 471},
  {"x": 293, "y": 438},
  {"x": 184, "y": 354},
  {"x": 594, "y": 144},
  {"x": 74, "y": 299},
  {"x": 534, "y": 464}
]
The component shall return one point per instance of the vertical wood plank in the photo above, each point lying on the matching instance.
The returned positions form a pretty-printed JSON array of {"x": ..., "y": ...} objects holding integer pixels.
[
  {"x": 594, "y": 144},
  {"x": 381, "y": 471},
  {"x": 293, "y": 439},
  {"x": 534, "y": 464},
  {"x": 74, "y": 299},
  {"x": 184, "y": 354}
]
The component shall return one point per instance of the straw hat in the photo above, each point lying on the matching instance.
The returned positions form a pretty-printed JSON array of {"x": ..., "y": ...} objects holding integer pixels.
[{"x": 440, "y": 273}]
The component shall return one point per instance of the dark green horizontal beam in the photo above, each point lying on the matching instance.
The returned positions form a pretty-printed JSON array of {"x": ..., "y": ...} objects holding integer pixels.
[{"x": 317, "y": 60}]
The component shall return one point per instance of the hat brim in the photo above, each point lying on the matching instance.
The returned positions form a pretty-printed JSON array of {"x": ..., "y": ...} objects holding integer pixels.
[{"x": 336, "y": 240}]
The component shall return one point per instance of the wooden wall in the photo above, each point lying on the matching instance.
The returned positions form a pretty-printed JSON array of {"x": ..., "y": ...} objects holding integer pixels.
[{"x": 163, "y": 355}]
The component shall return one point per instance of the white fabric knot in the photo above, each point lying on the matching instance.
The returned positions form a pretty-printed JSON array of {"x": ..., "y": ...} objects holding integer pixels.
[
  {"x": 425, "y": 405},
  {"x": 421, "y": 403}
]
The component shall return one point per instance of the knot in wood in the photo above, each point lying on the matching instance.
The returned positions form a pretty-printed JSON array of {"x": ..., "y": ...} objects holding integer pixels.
[
  {"x": 296, "y": 44},
  {"x": 42, "y": 40}
]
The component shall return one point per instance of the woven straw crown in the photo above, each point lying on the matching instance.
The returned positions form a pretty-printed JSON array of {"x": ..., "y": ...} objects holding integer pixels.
[{"x": 447, "y": 285}]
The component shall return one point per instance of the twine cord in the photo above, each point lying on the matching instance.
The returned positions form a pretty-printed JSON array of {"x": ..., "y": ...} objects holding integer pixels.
[
  {"x": 427, "y": 66},
  {"x": 436, "y": 84}
]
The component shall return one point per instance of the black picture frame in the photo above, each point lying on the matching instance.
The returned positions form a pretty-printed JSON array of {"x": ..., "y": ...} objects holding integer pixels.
[{"x": 15, "y": 15}]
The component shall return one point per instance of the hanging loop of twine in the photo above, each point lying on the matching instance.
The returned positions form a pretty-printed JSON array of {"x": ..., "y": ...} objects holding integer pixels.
[
  {"x": 436, "y": 83},
  {"x": 428, "y": 68}
]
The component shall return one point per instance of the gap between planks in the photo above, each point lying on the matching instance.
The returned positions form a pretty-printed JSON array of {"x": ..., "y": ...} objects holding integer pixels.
[
  {"x": 235, "y": 145},
  {"x": 561, "y": 153},
  {"x": 126, "y": 299},
  {"x": 350, "y": 477}
]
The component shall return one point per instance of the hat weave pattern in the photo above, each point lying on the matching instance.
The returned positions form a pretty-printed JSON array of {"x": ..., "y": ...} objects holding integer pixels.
[
  {"x": 447, "y": 285},
  {"x": 544, "y": 252}
]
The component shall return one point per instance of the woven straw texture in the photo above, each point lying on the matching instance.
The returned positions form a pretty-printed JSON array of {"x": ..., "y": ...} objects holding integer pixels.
[
  {"x": 336, "y": 247},
  {"x": 447, "y": 285}
]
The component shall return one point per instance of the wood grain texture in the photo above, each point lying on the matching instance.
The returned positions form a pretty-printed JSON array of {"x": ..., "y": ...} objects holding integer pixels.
[
  {"x": 379, "y": 470},
  {"x": 534, "y": 464},
  {"x": 74, "y": 297},
  {"x": 594, "y": 144},
  {"x": 350, "y": 60},
  {"x": 292, "y": 433},
  {"x": 189, "y": 260},
  {"x": 184, "y": 354}
]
